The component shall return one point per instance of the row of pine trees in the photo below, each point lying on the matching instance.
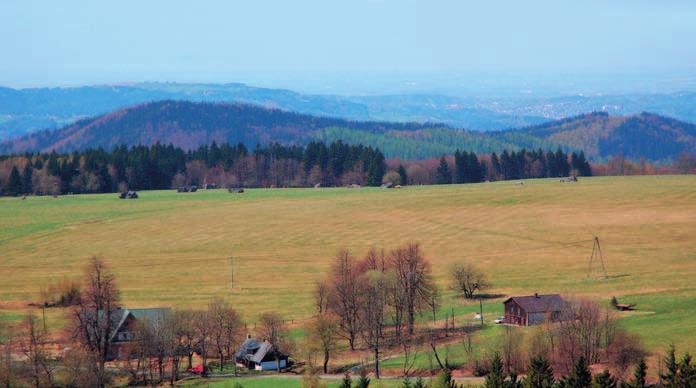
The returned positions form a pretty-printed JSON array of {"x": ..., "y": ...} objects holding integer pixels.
[{"x": 164, "y": 166}]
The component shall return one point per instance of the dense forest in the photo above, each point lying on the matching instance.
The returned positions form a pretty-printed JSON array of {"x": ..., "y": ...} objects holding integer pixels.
[{"x": 334, "y": 164}]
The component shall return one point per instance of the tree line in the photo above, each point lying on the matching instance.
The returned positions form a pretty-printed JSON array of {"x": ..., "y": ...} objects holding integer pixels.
[{"x": 336, "y": 164}]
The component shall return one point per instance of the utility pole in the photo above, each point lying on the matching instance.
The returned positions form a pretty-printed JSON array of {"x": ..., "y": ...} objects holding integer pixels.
[
  {"x": 231, "y": 272},
  {"x": 44, "y": 315},
  {"x": 481, "y": 311},
  {"x": 596, "y": 252}
]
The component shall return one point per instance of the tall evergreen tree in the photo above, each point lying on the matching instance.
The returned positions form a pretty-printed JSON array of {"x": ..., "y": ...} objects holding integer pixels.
[
  {"x": 460, "y": 169},
  {"x": 403, "y": 175},
  {"x": 539, "y": 374},
  {"x": 495, "y": 164},
  {"x": 376, "y": 170},
  {"x": 444, "y": 176},
  {"x": 581, "y": 376},
  {"x": 13, "y": 186},
  {"x": 639, "y": 376},
  {"x": 26, "y": 179},
  {"x": 496, "y": 378},
  {"x": 687, "y": 372},
  {"x": 669, "y": 379}
]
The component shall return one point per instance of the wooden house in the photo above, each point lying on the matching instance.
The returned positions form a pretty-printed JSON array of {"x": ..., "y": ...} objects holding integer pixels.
[
  {"x": 124, "y": 324},
  {"x": 534, "y": 309}
]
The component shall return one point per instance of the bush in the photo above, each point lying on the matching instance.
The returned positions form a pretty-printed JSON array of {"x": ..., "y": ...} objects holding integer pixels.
[{"x": 63, "y": 294}]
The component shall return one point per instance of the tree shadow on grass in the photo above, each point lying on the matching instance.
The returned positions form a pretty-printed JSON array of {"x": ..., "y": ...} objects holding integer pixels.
[{"x": 487, "y": 296}]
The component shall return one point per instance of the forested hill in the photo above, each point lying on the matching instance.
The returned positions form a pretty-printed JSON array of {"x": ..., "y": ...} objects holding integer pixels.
[
  {"x": 189, "y": 124},
  {"x": 600, "y": 135}
]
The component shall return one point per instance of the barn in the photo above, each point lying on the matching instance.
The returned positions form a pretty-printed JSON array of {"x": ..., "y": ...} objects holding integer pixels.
[
  {"x": 260, "y": 355},
  {"x": 124, "y": 324},
  {"x": 534, "y": 309}
]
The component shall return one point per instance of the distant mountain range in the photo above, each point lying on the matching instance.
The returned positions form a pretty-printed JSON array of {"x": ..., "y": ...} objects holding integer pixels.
[
  {"x": 27, "y": 110},
  {"x": 189, "y": 125}
]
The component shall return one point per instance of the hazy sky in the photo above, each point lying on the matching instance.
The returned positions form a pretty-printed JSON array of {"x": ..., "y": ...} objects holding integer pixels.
[{"x": 291, "y": 43}]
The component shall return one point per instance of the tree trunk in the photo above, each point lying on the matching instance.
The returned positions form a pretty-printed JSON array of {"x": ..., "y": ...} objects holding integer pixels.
[
  {"x": 277, "y": 363},
  {"x": 326, "y": 361},
  {"x": 351, "y": 341}
]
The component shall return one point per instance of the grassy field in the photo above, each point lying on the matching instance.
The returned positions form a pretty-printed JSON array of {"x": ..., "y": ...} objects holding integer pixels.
[{"x": 170, "y": 249}]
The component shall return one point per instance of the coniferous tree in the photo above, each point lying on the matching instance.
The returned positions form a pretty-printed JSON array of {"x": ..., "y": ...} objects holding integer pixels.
[
  {"x": 495, "y": 379},
  {"x": 444, "y": 380},
  {"x": 604, "y": 380},
  {"x": 14, "y": 183},
  {"x": 687, "y": 372},
  {"x": 27, "y": 187},
  {"x": 444, "y": 176},
  {"x": 376, "y": 169},
  {"x": 639, "y": 376},
  {"x": 420, "y": 383},
  {"x": 581, "y": 376},
  {"x": 539, "y": 374},
  {"x": 459, "y": 167},
  {"x": 403, "y": 175},
  {"x": 495, "y": 164},
  {"x": 670, "y": 378}
]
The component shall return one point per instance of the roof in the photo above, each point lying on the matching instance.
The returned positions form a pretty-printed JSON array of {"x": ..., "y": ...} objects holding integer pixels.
[
  {"x": 539, "y": 303},
  {"x": 151, "y": 314},
  {"x": 119, "y": 316},
  {"x": 254, "y": 350},
  {"x": 249, "y": 345}
]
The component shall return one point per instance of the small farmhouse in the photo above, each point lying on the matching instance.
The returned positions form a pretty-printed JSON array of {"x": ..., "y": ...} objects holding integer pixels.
[
  {"x": 534, "y": 309},
  {"x": 260, "y": 355},
  {"x": 124, "y": 324}
]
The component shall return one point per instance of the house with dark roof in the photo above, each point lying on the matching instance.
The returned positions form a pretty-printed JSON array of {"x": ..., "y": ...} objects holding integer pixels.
[
  {"x": 124, "y": 324},
  {"x": 260, "y": 355},
  {"x": 534, "y": 309}
]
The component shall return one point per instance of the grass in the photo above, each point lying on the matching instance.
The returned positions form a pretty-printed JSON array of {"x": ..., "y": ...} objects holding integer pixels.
[
  {"x": 279, "y": 382},
  {"x": 171, "y": 249}
]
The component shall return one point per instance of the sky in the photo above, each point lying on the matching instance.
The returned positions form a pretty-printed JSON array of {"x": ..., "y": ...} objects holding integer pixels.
[{"x": 348, "y": 46}]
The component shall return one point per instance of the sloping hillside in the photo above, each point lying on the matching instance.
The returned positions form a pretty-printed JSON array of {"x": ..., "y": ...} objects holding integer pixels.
[
  {"x": 645, "y": 135},
  {"x": 189, "y": 125}
]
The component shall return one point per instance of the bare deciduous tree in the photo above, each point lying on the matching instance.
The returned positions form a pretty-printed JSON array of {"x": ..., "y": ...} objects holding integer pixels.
[
  {"x": 93, "y": 317},
  {"x": 273, "y": 330},
  {"x": 226, "y": 325},
  {"x": 323, "y": 334},
  {"x": 33, "y": 345},
  {"x": 414, "y": 277},
  {"x": 467, "y": 279},
  {"x": 373, "y": 311},
  {"x": 8, "y": 372},
  {"x": 203, "y": 328},
  {"x": 345, "y": 295},
  {"x": 321, "y": 296}
]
